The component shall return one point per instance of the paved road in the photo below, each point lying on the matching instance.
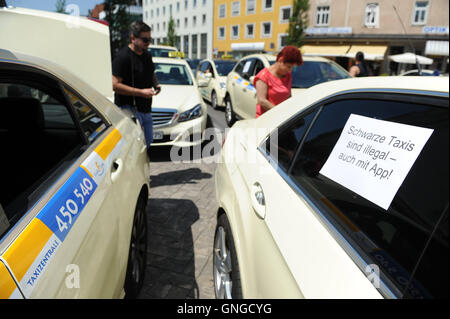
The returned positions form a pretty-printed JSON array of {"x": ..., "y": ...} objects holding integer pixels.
[{"x": 181, "y": 218}]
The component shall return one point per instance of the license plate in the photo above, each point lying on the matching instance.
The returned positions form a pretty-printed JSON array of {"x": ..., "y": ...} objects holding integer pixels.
[{"x": 157, "y": 135}]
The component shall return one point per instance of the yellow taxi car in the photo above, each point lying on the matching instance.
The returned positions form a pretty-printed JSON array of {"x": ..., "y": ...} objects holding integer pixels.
[
  {"x": 240, "y": 96},
  {"x": 75, "y": 178},
  {"x": 339, "y": 192},
  {"x": 212, "y": 80},
  {"x": 179, "y": 113}
]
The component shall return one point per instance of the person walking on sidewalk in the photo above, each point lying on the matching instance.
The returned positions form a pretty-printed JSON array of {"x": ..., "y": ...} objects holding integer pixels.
[{"x": 134, "y": 80}]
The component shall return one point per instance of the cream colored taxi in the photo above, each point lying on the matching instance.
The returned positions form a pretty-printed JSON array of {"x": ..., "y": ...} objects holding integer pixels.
[
  {"x": 240, "y": 96},
  {"x": 212, "y": 80},
  {"x": 339, "y": 192},
  {"x": 179, "y": 113},
  {"x": 75, "y": 174}
]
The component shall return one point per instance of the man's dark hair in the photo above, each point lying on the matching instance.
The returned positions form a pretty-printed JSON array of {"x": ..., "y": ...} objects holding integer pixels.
[
  {"x": 137, "y": 27},
  {"x": 360, "y": 56}
]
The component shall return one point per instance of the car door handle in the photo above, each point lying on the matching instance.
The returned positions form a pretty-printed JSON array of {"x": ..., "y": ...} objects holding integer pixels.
[
  {"x": 233, "y": 84},
  {"x": 258, "y": 200},
  {"x": 244, "y": 90},
  {"x": 116, "y": 169}
]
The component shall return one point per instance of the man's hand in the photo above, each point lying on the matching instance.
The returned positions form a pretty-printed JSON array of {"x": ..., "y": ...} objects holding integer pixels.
[
  {"x": 146, "y": 93},
  {"x": 157, "y": 90}
]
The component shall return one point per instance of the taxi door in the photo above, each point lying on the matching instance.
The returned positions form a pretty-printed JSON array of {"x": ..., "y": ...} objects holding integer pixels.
[{"x": 241, "y": 90}]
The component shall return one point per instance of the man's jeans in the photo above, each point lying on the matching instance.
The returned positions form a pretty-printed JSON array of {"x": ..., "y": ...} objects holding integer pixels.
[{"x": 146, "y": 121}]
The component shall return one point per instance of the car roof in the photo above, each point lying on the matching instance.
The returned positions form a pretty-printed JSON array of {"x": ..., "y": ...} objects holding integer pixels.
[
  {"x": 385, "y": 84},
  {"x": 169, "y": 60},
  {"x": 271, "y": 57},
  {"x": 157, "y": 46}
]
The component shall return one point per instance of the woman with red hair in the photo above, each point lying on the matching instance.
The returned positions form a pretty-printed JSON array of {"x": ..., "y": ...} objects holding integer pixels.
[{"x": 273, "y": 84}]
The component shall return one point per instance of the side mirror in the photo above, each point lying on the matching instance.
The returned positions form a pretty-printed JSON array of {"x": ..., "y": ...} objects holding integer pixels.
[
  {"x": 252, "y": 79},
  {"x": 208, "y": 75},
  {"x": 202, "y": 83}
]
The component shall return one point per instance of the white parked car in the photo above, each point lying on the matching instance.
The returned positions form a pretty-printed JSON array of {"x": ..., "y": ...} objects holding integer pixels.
[
  {"x": 179, "y": 113},
  {"x": 75, "y": 175},
  {"x": 339, "y": 192},
  {"x": 212, "y": 80},
  {"x": 240, "y": 97}
]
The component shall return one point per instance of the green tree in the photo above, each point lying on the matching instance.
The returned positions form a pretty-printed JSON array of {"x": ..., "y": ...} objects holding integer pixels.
[
  {"x": 298, "y": 23},
  {"x": 171, "y": 34},
  {"x": 60, "y": 6},
  {"x": 119, "y": 22}
]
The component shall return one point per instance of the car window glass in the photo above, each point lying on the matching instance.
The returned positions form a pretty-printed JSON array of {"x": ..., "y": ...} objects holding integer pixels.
[
  {"x": 172, "y": 74},
  {"x": 90, "y": 121},
  {"x": 248, "y": 68},
  {"x": 240, "y": 67},
  {"x": 259, "y": 65},
  {"x": 311, "y": 73},
  {"x": 39, "y": 135},
  {"x": 224, "y": 67},
  {"x": 282, "y": 143},
  {"x": 392, "y": 239}
]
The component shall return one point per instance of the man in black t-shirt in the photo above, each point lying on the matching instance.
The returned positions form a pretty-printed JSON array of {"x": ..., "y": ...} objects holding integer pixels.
[{"x": 134, "y": 80}]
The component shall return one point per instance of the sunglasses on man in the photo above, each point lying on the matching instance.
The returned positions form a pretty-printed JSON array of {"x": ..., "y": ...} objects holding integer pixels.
[{"x": 145, "y": 40}]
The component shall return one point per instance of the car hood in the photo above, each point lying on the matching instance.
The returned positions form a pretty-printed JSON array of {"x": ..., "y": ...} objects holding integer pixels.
[{"x": 179, "y": 97}]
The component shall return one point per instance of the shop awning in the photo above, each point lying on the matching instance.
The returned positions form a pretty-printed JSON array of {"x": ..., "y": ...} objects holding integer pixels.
[
  {"x": 371, "y": 52},
  {"x": 410, "y": 58},
  {"x": 252, "y": 46},
  {"x": 324, "y": 50},
  {"x": 436, "y": 48}
]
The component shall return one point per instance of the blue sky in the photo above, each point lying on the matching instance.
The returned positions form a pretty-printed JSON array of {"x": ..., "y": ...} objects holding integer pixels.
[{"x": 49, "y": 5}]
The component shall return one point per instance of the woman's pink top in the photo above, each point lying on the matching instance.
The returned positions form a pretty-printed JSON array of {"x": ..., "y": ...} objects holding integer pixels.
[{"x": 278, "y": 90}]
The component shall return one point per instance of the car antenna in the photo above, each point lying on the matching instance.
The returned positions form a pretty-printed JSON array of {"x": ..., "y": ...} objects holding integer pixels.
[{"x": 409, "y": 40}]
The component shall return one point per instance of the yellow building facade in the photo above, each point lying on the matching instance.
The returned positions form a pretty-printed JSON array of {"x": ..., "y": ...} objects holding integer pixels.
[{"x": 247, "y": 26}]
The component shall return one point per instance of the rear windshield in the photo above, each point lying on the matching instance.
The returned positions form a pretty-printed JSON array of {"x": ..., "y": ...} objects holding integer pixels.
[{"x": 311, "y": 73}]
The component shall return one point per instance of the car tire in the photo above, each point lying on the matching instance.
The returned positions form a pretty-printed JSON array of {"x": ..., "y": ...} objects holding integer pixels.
[
  {"x": 214, "y": 102},
  {"x": 137, "y": 256},
  {"x": 230, "y": 117},
  {"x": 227, "y": 279}
]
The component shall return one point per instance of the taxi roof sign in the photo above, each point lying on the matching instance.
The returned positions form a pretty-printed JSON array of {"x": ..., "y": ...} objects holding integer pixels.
[{"x": 176, "y": 54}]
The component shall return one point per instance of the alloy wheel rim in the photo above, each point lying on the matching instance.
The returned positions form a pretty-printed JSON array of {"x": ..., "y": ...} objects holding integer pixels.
[
  {"x": 228, "y": 110},
  {"x": 138, "y": 247},
  {"x": 222, "y": 266},
  {"x": 214, "y": 100}
]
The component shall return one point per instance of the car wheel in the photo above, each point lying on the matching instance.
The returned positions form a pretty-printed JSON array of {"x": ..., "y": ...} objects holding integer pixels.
[
  {"x": 230, "y": 117},
  {"x": 227, "y": 280},
  {"x": 137, "y": 256},
  {"x": 214, "y": 100}
]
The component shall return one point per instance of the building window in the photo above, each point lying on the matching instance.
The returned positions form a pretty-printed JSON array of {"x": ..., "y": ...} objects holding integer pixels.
[
  {"x": 266, "y": 29},
  {"x": 222, "y": 11},
  {"x": 267, "y": 5},
  {"x": 420, "y": 12},
  {"x": 194, "y": 21},
  {"x": 235, "y": 8},
  {"x": 195, "y": 4},
  {"x": 185, "y": 22},
  {"x": 178, "y": 23},
  {"x": 282, "y": 40},
  {"x": 204, "y": 19},
  {"x": 372, "y": 15},
  {"x": 251, "y": 6},
  {"x": 285, "y": 14},
  {"x": 235, "y": 32},
  {"x": 178, "y": 6},
  {"x": 221, "y": 33},
  {"x": 185, "y": 4},
  {"x": 323, "y": 16},
  {"x": 250, "y": 31}
]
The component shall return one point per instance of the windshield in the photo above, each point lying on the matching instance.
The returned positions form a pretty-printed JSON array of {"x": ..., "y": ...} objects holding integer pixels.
[
  {"x": 159, "y": 52},
  {"x": 311, "y": 73},
  {"x": 176, "y": 74},
  {"x": 224, "y": 67}
]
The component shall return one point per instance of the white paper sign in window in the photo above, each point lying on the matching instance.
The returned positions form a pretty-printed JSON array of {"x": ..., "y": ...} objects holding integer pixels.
[{"x": 373, "y": 157}]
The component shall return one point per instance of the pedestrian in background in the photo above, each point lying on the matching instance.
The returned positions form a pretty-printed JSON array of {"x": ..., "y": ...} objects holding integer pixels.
[
  {"x": 273, "y": 84},
  {"x": 134, "y": 80},
  {"x": 360, "y": 68}
]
